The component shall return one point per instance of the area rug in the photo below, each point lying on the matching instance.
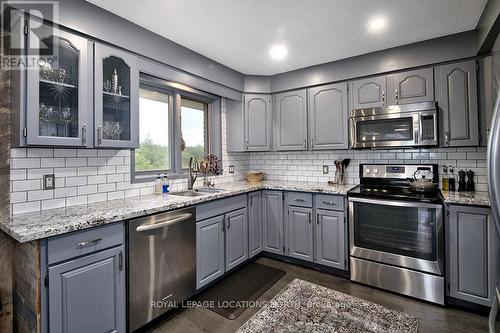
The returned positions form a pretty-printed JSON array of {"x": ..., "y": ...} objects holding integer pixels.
[{"x": 306, "y": 307}]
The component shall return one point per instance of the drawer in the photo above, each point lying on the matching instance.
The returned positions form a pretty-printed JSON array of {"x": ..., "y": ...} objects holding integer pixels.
[
  {"x": 330, "y": 202},
  {"x": 83, "y": 242},
  {"x": 299, "y": 199},
  {"x": 219, "y": 207}
]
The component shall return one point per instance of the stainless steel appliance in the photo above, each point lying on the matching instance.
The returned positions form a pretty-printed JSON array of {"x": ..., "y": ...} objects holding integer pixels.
[
  {"x": 161, "y": 264},
  {"x": 396, "y": 234},
  {"x": 409, "y": 125},
  {"x": 494, "y": 192}
]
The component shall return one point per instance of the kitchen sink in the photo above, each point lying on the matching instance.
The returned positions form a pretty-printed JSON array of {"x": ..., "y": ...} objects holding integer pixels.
[
  {"x": 209, "y": 190},
  {"x": 187, "y": 194}
]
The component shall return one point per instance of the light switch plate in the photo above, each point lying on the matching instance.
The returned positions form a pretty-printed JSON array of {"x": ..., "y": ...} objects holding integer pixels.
[
  {"x": 49, "y": 182},
  {"x": 325, "y": 169},
  {"x": 231, "y": 169}
]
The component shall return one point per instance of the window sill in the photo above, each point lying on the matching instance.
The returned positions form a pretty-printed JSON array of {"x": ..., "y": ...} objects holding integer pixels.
[{"x": 146, "y": 178}]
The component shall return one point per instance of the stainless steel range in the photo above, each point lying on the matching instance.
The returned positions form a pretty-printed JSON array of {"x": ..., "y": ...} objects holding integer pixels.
[{"x": 396, "y": 233}]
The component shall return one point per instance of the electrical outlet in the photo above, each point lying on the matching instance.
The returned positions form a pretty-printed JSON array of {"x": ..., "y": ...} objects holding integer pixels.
[
  {"x": 49, "y": 182},
  {"x": 325, "y": 169},
  {"x": 231, "y": 169}
]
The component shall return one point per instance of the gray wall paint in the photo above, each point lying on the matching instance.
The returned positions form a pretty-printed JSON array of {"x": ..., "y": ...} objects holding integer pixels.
[
  {"x": 94, "y": 21},
  {"x": 425, "y": 53}
]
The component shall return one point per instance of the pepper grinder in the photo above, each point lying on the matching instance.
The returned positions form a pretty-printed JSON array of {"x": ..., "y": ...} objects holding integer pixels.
[
  {"x": 470, "y": 181},
  {"x": 461, "y": 180}
]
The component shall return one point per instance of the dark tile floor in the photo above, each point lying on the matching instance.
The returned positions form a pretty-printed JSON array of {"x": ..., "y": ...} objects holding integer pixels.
[{"x": 433, "y": 318}]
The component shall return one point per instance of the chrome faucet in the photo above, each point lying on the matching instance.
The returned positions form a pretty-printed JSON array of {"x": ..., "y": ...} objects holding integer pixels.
[{"x": 192, "y": 172}]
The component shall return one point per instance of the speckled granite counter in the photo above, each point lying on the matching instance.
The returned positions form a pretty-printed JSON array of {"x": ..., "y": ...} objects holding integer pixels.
[
  {"x": 466, "y": 198},
  {"x": 32, "y": 226}
]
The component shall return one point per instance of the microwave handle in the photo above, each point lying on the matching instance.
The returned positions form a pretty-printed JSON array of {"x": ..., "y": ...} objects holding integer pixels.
[{"x": 420, "y": 130}]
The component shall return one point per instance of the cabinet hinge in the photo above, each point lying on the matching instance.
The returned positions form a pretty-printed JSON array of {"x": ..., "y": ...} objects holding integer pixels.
[
  {"x": 46, "y": 281},
  {"x": 25, "y": 132}
]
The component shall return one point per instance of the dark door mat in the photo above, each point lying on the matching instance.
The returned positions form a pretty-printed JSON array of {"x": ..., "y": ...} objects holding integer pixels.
[{"x": 230, "y": 296}]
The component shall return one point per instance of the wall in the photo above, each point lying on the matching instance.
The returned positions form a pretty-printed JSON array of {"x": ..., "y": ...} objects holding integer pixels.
[
  {"x": 89, "y": 175},
  {"x": 308, "y": 166}
]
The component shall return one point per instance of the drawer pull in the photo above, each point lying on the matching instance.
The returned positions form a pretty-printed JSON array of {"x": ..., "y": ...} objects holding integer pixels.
[
  {"x": 89, "y": 242},
  {"x": 331, "y": 203},
  {"x": 299, "y": 200}
]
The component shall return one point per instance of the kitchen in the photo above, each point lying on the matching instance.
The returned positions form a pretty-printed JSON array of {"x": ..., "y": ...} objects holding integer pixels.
[{"x": 147, "y": 166}]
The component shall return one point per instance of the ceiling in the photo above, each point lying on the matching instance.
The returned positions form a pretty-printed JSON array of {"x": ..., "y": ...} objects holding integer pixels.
[{"x": 239, "y": 33}]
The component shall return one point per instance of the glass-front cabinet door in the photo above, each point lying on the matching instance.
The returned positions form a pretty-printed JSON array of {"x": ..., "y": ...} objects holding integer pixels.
[
  {"x": 116, "y": 89},
  {"x": 59, "y": 108}
]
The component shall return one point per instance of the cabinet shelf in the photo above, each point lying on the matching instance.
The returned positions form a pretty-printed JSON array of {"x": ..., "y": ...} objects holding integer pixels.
[
  {"x": 59, "y": 84},
  {"x": 115, "y": 95}
]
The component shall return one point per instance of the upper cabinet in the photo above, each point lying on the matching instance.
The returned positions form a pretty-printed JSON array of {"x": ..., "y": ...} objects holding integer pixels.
[
  {"x": 369, "y": 93},
  {"x": 116, "y": 98},
  {"x": 290, "y": 120},
  {"x": 58, "y": 93},
  {"x": 328, "y": 117},
  {"x": 458, "y": 104},
  {"x": 411, "y": 87},
  {"x": 258, "y": 120}
]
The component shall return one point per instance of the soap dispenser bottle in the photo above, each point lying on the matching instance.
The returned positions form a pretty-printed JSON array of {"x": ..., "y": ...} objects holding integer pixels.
[{"x": 158, "y": 185}]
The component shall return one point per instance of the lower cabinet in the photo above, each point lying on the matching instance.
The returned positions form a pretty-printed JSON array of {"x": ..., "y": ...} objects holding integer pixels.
[
  {"x": 255, "y": 223},
  {"x": 221, "y": 245},
  {"x": 272, "y": 202},
  {"x": 330, "y": 238},
  {"x": 87, "y": 294},
  {"x": 471, "y": 249},
  {"x": 300, "y": 233},
  {"x": 210, "y": 263}
]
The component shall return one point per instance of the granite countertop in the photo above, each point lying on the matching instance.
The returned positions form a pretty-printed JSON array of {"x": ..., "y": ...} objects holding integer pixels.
[
  {"x": 32, "y": 226},
  {"x": 466, "y": 198}
]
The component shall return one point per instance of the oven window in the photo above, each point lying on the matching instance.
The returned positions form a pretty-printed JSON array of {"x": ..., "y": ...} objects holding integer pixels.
[
  {"x": 400, "y": 129},
  {"x": 407, "y": 231}
]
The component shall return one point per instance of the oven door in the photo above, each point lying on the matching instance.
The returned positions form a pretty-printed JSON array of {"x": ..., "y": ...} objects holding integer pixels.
[
  {"x": 399, "y": 233},
  {"x": 389, "y": 130}
]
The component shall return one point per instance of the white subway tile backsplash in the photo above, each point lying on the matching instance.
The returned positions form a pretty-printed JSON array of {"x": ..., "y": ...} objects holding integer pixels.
[
  {"x": 115, "y": 160},
  {"x": 76, "y": 162},
  {"x": 18, "y": 152},
  {"x": 40, "y": 152},
  {"x": 19, "y": 174},
  {"x": 97, "y": 161},
  {"x": 40, "y": 195},
  {"x": 107, "y": 187},
  {"x": 25, "y": 207},
  {"x": 16, "y": 197},
  {"x": 26, "y": 185},
  {"x": 64, "y": 192},
  {"x": 116, "y": 195},
  {"x": 53, "y": 203},
  {"x": 101, "y": 179},
  {"x": 87, "y": 189},
  {"x": 39, "y": 173},
  {"x": 65, "y": 172},
  {"x": 24, "y": 163},
  {"x": 97, "y": 197},
  {"x": 106, "y": 170},
  {"x": 64, "y": 153},
  {"x": 87, "y": 171},
  {"x": 86, "y": 152},
  {"x": 74, "y": 201},
  {"x": 114, "y": 178},
  {"x": 58, "y": 162},
  {"x": 76, "y": 181}
]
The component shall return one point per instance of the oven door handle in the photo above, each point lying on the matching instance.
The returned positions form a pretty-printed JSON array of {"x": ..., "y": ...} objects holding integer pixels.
[{"x": 382, "y": 202}]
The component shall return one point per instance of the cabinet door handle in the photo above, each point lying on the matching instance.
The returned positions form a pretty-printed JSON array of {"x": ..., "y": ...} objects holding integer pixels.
[
  {"x": 223, "y": 224},
  {"x": 331, "y": 203},
  {"x": 397, "y": 96},
  {"x": 251, "y": 201},
  {"x": 383, "y": 97},
  {"x": 299, "y": 200},
  {"x": 309, "y": 218},
  {"x": 446, "y": 138},
  {"x": 99, "y": 134},
  {"x": 305, "y": 142},
  {"x": 89, "y": 242},
  {"x": 84, "y": 134},
  {"x": 120, "y": 261},
  {"x": 312, "y": 142},
  {"x": 317, "y": 218},
  {"x": 247, "y": 144}
]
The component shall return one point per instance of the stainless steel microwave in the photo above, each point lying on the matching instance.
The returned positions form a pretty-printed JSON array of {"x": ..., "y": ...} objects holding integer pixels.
[{"x": 410, "y": 125}]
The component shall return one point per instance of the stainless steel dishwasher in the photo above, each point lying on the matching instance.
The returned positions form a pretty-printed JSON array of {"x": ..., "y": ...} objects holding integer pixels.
[{"x": 161, "y": 264}]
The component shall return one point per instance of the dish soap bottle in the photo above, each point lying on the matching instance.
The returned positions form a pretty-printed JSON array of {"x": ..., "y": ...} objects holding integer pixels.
[
  {"x": 165, "y": 184},
  {"x": 158, "y": 185}
]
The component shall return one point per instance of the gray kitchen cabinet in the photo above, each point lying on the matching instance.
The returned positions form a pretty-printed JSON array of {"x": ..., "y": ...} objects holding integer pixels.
[
  {"x": 328, "y": 117},
  {"x": 255, "y": 225},
  {"x": 58, "y": 93},
  {"x": 116, "y": 98},
  {"x": 272, "y": 202},
  {"x": 369, "y": 92},
  {"x": 258, "y": 122},
  {"x": 300, "y": 233},
  {"x": 411, "y": 87},
  {"x": 290, "y": 120},
  {"x": 88, "y": 294},
  {"x": 471, "y": 250},
  {"x": 456, "y": 86},
  {"x": 330, "y": 239},
  {"x": 236, "y": 226},
  {"x": 210, "y": 260},
  {"x": 235, "y": 126}
]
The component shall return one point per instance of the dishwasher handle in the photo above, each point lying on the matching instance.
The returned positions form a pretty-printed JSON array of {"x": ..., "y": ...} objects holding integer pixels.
[{"x": 163, "y": 224}]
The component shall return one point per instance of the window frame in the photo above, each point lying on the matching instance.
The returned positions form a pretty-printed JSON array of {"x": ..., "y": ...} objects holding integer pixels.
[{"x": 177, "y": 91}]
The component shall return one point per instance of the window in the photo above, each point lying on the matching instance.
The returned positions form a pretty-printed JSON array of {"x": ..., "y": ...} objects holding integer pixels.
[
  {"x": 175, "y": 123},
  {"x": 193, "y": 130},
  {"x": 154, "y": 130}
]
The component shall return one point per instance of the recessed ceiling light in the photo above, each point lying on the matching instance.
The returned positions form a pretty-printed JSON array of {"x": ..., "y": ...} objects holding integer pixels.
[
  {"x": 376, "y": 24},
  {"x": 278, "y": 52}
]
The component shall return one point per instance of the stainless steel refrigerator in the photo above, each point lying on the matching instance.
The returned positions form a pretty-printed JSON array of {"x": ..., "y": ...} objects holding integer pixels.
[{"x": 494, "y": 191}]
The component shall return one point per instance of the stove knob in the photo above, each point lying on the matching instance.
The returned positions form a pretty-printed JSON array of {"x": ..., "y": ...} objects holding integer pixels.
[
  {"x": 375, "y": 171},
  {"x": 367, "y": 170}
]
